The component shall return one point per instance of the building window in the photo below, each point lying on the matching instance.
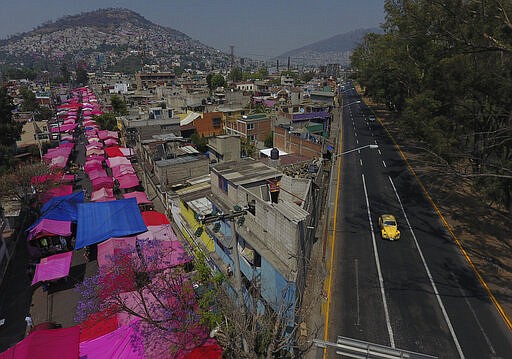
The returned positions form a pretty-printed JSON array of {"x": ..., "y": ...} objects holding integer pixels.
[
  {"x": 216, "y": 122},
  {"x": 223, "y": 184},
  {"x": 251, "y": 138},
  {"x": 250, "y": 126}
]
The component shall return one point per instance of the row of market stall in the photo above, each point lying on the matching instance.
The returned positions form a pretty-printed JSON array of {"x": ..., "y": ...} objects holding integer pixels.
[{"x": 117, "y": 219}]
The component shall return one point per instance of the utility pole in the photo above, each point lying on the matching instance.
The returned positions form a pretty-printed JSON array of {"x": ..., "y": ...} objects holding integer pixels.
[{"x": 232, "y": 216}]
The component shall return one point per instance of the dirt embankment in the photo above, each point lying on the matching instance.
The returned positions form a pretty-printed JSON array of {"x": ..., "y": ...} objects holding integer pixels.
[{"x": 483, "y": 230}]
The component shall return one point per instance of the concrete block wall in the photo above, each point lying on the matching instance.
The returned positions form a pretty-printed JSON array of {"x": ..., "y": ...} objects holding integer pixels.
[{"x": 294, "y": 144}]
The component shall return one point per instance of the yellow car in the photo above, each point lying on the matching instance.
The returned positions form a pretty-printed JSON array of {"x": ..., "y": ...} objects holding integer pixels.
[{"x": 389, "y": 227}]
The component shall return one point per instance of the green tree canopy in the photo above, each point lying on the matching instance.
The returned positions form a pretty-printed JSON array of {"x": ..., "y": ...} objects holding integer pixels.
[
  {"x": 107, "y": 121},
  {"x": 118, "y": 105},
  {"x": 10, "y": 130},
  {"x": 444, "y": 69},
  {"x": 218, "y": 81},
  {"x": 29, "y": 103},
  {"x": 235, "y": 74}
]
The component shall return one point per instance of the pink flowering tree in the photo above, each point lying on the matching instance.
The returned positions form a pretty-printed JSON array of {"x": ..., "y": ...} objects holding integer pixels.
[{"x": 141, "y": 288}]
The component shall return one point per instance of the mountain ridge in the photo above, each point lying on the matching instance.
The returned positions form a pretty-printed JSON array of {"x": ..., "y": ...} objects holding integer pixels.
[{"x": 337, "y": 47}]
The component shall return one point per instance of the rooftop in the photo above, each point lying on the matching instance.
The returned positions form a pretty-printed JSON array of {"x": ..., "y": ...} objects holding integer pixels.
[{"x": 246, "y": 171}]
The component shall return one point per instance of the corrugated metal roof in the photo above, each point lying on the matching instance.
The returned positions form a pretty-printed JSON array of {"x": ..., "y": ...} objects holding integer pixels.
[
  {"x": 291, "y": 211},
  {"x": 190, "y": 118}
]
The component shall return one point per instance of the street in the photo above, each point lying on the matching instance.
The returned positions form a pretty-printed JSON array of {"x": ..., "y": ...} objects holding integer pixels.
[{"x": 417, "y": 293}]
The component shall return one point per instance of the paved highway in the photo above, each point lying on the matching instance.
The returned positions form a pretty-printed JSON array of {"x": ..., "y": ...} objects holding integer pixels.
[{"x": 417, "y": 293}]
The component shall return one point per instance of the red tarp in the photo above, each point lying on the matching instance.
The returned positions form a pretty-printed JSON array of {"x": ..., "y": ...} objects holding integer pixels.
[
  {"x": 113, "y": 152},
  {"x": 43, "y": 344},
  {"x": 207, "y": 351},
  {"x": 63, "y": 190},
  {"x": 97, "y": 325},
  {"x": 154, "y": 218}
]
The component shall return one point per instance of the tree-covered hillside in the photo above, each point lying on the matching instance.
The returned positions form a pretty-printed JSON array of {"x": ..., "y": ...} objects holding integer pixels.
[{"x": 445, "y": 69}]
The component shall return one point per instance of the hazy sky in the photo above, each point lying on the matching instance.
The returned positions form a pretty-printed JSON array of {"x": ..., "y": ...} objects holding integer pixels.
[{"x": 257, "y": 28}]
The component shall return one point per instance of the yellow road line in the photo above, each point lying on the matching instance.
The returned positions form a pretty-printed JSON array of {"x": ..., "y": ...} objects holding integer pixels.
[
  {"x": 326, "y": 329},
  {"x": 447, "y": 226}
]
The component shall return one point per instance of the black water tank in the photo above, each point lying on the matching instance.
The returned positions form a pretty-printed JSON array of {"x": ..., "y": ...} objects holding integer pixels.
[{"x": 274, "y": 154}]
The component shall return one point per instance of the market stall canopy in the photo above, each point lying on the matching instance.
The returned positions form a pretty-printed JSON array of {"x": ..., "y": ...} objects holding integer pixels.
[
  {"x": 98, "y": 221},
  {"x": 122, "y": 170},
  {"x": 62, "y": 190},
  {"x": 47, "y": 343},
  {"x": 114, "y": 152},
  {"x": 116, "y": 161},
  {"x": 154, "y": 218},
  {"x": 102, "y": 195},
  {"x": 102, "y": 182},
  {"x": 53, "y": 267},
  {"x": 49, "y": 227},
  {"x": 128, "y": 181},
  {"x": 139, "y": 196},
  {"x": 111, "y": 142},
  {"x": 62, "y": 208},
  {"x": 97, "y": 173},
  {"x": 112, "y": 248},
  {"x": 125, "y": 342},
  {"x": 98, "y": 324}
]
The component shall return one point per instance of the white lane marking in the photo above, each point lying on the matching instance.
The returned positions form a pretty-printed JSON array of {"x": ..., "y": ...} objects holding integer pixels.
[
  {"x": 361, "y": 162},
  {"x": 375, "y": 141},
  {"x": 379, "y": 152},
  {"x": 355, "y": 134},
  {"x": 359, "y": 151},
  {"x": 379, "y": 272},
  {"x": 357, "y": 141},
  {"x": 384, "y": 164},
  {"x": 434, "y": 287},
  {"x": 464, "y": 295},
  {"x": 357, "y": 288}
]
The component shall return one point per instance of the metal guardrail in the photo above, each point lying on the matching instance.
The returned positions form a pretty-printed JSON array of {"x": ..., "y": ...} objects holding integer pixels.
[{"x": 354, "y": 348}]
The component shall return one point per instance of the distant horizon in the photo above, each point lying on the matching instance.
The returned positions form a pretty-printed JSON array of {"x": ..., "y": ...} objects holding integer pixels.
[{"x": 254, "y": 31}]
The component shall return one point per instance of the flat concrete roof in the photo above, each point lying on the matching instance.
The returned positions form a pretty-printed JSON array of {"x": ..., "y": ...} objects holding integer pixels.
[{"x": 246, "y": 171}]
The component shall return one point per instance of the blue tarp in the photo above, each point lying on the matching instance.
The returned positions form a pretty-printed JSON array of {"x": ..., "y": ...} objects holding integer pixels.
[
  {"x": 99, "y": 221},
  {"x": 61, "y": 208}
]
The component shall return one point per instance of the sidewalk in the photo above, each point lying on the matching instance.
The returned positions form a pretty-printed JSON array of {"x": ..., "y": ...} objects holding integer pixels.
[{"x": 315, "y": 295}]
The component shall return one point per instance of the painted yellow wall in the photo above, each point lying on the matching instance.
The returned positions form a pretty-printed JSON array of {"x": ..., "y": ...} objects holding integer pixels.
[{"x": 193, "y": 224}]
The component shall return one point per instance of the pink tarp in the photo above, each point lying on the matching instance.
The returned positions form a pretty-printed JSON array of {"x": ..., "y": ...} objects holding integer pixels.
[
  {"x": 50, "y": 227},
  {"x": 48, "y": 343},
  {"x": 59, "y": 162},
  {"x": 122, "y": 170},
  {"x": 139, "y": 196},
  {"x": 96, "y": 173},
  {"x": 116, "y": 161},
  {"x": 63, "y": 190},
  {"x": 92, "y": 165},
  {"x": 104, "y": 134},
  {"x": 128, "y": 181},
  {"x": 112, "y": 248},
  {"x": 53, "y": 267},
  {"x": 102, "y": 182},
  {"x": 102, "y": 195},
  {"x": 95, "y": 157},
  {"x": 125, "y": 342},
  {"x": 169, "y": 254},
  {"x": 127, "y": 152},
  {"x": 94, "y": 145},
  {"x": 111, "y": 142},
  {"x": 94, "y": 151}
]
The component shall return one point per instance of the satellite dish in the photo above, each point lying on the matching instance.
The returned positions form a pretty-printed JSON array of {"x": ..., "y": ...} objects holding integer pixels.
[{"x": 301, "y": 110}]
